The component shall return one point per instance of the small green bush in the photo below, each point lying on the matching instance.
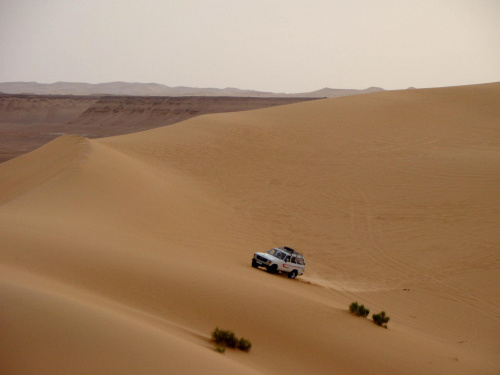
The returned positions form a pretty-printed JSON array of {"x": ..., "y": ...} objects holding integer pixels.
[
  {"x": 225, "y": 337},
  {"x": 353, "y": 307},
  {"x": 359, "y": 310},
  {"x": 244, "y": 344},
  {"x": 362, "y": 311},
  {"x": 381, "y": 319},
  {"x": 220, "y": 349}
]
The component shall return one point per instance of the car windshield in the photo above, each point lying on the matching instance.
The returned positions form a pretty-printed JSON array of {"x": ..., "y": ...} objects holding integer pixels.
[{"x": 277, "y": 253}]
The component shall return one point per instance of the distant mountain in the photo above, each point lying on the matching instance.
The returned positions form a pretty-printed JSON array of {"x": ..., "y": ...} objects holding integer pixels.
[{"x": 156, "y": 89}]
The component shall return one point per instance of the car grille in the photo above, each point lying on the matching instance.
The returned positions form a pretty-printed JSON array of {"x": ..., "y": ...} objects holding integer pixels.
[{"x": 261, "y": 258}]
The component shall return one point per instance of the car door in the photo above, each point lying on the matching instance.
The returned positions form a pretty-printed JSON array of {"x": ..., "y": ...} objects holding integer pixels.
[
  {"x": 290, "y": 264},
  {"x": 293, "y": 265},
  {"x": 281, "y": 260}
]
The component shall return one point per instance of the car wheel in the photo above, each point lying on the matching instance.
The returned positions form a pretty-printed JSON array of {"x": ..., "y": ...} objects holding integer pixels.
[
  {"x": 254, "y": 264},
  {"x": 272, "y": 269},
  {"x": 292, "y": 275}
]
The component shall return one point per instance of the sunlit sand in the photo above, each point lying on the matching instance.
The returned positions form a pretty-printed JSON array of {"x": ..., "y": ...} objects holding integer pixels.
[{"x": 122, "y": 254}]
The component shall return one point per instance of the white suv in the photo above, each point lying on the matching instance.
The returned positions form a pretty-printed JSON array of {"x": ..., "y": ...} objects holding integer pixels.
[{"x": 281, "y": 259}]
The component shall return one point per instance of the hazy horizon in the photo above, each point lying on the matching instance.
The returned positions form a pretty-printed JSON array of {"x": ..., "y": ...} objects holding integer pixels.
[{"x": 279, "y": 46}]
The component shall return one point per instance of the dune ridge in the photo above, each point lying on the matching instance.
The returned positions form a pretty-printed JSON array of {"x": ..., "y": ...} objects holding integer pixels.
[
  {"x": 123, "y": 253},
  {"x": 30, "y": 121}
]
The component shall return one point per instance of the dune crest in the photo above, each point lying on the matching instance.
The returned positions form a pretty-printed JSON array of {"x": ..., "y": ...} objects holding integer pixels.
[{"x": 124, "y": 253}]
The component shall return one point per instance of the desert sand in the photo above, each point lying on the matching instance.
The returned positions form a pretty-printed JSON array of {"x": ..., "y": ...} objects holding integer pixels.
[{"x": 120, "y": 255}]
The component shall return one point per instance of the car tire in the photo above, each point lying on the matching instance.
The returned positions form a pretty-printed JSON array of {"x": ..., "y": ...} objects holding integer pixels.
[
  {"x": 272, "y": 269},
  {"x": 254, "y": 264},
  {"x": 292, "y": 275}
]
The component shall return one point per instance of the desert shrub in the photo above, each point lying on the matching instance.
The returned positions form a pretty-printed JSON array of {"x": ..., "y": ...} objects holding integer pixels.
[
  {"x": 218, "y": 335},
  {"x": 353, "y": 307},
  {"x": 244, "y": 344},
  {"x": 359, "y": 310},
  {"x": 381, "y": 319},
  {"x": 220, "y": 348},
  {"x": 225, "y": 337},
  {"x": 362, "y": 311}
]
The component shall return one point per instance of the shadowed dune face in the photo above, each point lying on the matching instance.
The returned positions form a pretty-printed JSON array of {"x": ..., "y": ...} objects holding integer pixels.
[
  {"x": 141, "y": 244},
  {"x": 29, "y": 121}
]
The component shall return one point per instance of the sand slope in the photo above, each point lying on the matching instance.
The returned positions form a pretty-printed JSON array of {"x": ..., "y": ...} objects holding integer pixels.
[
  {"x": 120, "y": 255},
  {"x": 29, "y": 121}
]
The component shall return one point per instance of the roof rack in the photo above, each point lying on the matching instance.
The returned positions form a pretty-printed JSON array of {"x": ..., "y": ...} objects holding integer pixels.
[{"x": 289, "y": 250}]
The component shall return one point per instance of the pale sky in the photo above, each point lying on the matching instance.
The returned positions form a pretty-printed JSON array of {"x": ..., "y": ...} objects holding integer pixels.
[{"x": 268, "y": 45}]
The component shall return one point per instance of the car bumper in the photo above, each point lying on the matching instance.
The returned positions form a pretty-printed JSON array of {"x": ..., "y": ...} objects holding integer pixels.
[{"x": 260, "y": 262}]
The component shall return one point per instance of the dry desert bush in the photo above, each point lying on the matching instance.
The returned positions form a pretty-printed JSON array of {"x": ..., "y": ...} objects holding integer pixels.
[{"x": 226, "y": 338}]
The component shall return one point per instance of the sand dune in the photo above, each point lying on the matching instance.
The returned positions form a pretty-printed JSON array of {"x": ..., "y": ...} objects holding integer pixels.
[
  {"x": 122, "y": 254},
  {"x": 29, "y": 121}
]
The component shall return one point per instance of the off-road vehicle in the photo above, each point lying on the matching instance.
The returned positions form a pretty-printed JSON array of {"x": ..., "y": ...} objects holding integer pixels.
[{"x": 281, "y": 259}]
